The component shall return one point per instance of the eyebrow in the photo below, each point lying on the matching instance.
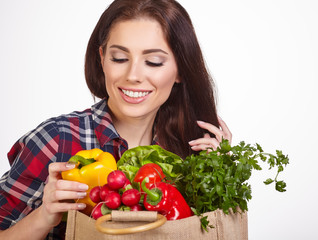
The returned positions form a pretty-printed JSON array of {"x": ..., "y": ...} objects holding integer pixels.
[{"x": 147, "y": 51}]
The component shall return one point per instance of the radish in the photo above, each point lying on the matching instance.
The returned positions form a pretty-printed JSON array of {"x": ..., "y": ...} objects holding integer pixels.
[
  {"x": 116, "y": 179},
  {"x": 130, "y": 197},
  {"x": 97, "y": 212},
  {"x": 100, "y": 210},
  {"x": 104, "y": 191},
  {"x": 127, "y": 184},
  {"x": 94, "y": 194},
  {"x": 113, "y": 200},
  {"x": 136, "y": 207}
]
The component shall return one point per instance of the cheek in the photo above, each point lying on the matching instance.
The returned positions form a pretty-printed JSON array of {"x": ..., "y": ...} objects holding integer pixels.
[
  {"x": 111, "y": 73},
  {"x": 110, "y": 78},
  {"x": 166, "y": 80}
]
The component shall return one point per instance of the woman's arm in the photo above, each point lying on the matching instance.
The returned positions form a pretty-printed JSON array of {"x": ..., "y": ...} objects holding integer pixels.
[
  {"x": 30, "y": 227},
  {"x": 38, "y": 223}
]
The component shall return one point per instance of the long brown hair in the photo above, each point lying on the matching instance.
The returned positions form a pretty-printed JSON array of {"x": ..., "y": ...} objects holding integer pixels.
[{"x": 190, "y": 100}]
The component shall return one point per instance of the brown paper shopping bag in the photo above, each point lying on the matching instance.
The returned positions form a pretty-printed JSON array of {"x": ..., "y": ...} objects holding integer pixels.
[{"x": 231, "y": 226}]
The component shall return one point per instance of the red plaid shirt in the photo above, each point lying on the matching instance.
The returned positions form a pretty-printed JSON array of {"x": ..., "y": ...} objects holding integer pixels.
[{"x": 55, "y": 140}]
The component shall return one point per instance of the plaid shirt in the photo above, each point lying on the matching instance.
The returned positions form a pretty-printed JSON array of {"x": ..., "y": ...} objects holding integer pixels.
[{"x": 55, "y": 140}]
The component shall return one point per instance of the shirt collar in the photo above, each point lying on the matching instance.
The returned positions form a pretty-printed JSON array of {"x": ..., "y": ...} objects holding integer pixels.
[{"x": 103, "y": 124}]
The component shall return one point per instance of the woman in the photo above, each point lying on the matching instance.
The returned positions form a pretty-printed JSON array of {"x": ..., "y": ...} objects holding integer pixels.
[{"x": 144, "y": 61}]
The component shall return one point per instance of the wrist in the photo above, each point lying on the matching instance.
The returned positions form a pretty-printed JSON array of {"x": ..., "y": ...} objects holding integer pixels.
[{"x": 45, "y": 221}]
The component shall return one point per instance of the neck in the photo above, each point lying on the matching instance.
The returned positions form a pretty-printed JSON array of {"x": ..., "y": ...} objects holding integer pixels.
[{"x": 137, "y": 132}]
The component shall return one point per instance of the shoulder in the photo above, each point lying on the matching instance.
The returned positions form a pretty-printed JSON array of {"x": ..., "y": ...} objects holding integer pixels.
[
  {"x": 96, "y": 111},
  {"x": 64, "y": 133},
  {"x": 54, "y": 126},
  {"x": 74, "y": 119}
]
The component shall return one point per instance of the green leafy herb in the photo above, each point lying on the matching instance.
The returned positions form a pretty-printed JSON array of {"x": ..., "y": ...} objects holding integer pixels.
[{"x": 218, "y": 179}]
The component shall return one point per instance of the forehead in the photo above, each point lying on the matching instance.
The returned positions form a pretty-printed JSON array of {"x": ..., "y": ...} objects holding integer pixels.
[{"x": 137, "y": 33}]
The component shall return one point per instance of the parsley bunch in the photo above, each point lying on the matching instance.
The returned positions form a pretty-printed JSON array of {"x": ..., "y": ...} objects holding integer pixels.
[{"x": 218, "y": 179}]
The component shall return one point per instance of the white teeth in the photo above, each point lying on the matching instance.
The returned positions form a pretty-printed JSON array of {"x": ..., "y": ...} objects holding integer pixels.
[{"x": 135, "y": 94}]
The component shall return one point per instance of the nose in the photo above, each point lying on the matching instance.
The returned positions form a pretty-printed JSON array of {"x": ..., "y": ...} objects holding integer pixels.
[{"x": 134, "y": 72}]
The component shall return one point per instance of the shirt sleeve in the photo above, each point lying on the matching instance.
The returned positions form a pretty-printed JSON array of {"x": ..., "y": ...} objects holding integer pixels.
[{"x": 21, "y": 188}]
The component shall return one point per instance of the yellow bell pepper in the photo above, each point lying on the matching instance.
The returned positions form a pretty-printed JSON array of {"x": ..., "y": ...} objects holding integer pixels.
[{"x": 92, "y": 168}]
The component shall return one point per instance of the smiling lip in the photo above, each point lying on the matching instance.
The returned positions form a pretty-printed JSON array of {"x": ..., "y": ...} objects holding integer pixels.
[{"x": 134, "y": 96}]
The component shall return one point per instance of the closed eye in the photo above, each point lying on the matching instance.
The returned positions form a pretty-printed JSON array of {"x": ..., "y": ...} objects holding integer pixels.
[
  {"x": 153, "y": 64},
  {"x": 119, "y": 60}
]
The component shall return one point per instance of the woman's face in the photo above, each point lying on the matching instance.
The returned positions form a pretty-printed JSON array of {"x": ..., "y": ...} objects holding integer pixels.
[{"x": 139, "y": 67}]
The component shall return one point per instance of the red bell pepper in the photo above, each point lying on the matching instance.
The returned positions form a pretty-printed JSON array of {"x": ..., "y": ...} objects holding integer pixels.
[
  {"x": 152, "y": 171},
  {"x": 166, "y": 200}
]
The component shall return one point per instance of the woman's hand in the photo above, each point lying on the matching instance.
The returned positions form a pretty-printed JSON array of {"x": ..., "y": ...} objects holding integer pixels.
[
  {"x": 211, "y": 142},
  {"x": 59, "y": 192}
]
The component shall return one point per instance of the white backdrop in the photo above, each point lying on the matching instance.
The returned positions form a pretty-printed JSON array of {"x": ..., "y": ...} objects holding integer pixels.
[{"x": 262, "y": 54}]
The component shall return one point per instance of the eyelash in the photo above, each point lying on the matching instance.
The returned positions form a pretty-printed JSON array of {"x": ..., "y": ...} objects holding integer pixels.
[
  {"x": 122, "y": 60},
  {"x": 119, "y": 60},
  {"x": 152, "y": 64}
]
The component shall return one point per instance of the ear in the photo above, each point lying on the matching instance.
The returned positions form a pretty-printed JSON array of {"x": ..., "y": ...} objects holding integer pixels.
[
  {"x": 178, "y": 80},
  {"x": 101, "y": 55}
]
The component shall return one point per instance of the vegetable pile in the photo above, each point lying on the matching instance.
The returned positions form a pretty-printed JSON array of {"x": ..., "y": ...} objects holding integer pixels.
[
  {"x": 212, "y": 179},
  {"x": 154, "y": 195},
  {"x": 151, "y": 178},
  {"x": 117, "y": 193}
]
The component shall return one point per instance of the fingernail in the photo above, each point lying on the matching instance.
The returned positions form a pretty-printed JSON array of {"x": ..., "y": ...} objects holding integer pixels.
[
  {"x": 81, "y": 205},
  {"x": 200, "y": 122},
  {"x": 83, "y": 187},
  {"x": 81, "y": 194},
  {"x": 191, "y": 142},
  {"x": 70, "y": 165}
]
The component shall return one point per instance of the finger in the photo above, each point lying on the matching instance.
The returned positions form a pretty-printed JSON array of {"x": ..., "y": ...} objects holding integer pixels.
[
  {"x": 67, "y": 195},
  {"x": 225, "y": 129},
  {"x": 204, "y": 143},
  {"x": 200, "y": 147},
  {"x": 58, "y": 207},
  {"x": 56, "y": 168},
  {"x": 52, "y": 195},
  {"x": 206, "y": 135},
  {"x": 67, "y": 185},
  {"x": 212, "y": 129},
  {"x": 203, "y": 147}
]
